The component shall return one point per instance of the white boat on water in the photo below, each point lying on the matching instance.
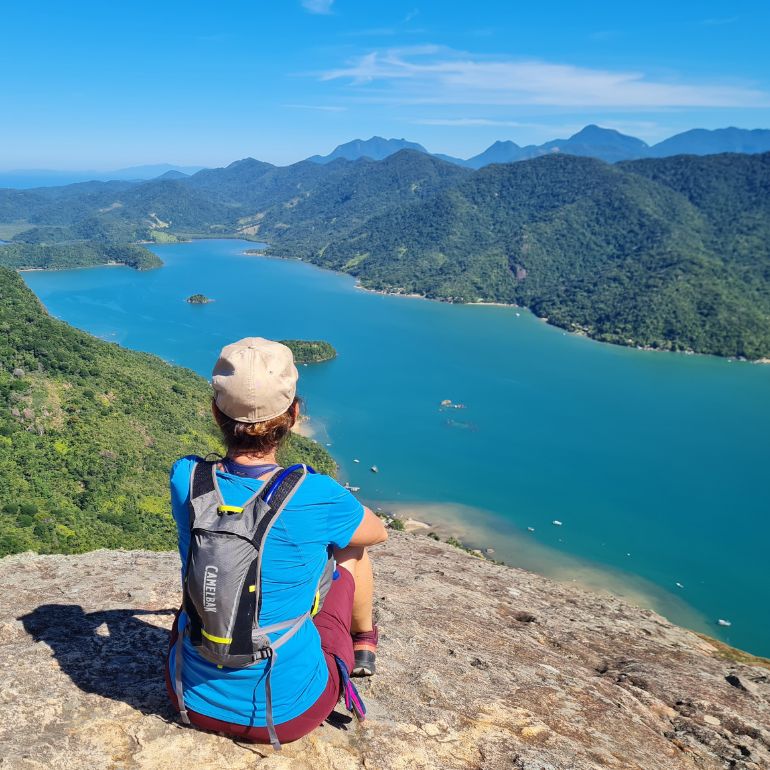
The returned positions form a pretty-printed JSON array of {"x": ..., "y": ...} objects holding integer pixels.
[
  {"x": 356, "y": 460},
  {"x": 725, "y": 623},
  {"x": 530, "y": 529},
  {"x": 351, "y": 488},
  {"x": 556, "y": 523},
  {"x": 375, "y": 469}
]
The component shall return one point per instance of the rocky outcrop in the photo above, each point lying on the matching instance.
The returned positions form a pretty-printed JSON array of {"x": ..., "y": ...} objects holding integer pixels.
[{"x": 481, "y": 666}]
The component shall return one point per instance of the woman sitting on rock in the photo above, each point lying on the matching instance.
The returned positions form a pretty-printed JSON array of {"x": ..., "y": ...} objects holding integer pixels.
[{"x": 277, "y": 579}]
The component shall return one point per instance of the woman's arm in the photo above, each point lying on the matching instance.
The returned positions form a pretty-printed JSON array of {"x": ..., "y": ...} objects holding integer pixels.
[{"x": 370, "y": 531}]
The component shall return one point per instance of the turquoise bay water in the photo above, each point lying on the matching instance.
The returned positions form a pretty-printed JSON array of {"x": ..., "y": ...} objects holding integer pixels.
[{"x": 656, "y": 464}]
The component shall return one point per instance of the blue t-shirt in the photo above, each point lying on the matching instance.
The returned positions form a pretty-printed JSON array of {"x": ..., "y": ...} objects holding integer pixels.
[{"x": 320, "y": 513}]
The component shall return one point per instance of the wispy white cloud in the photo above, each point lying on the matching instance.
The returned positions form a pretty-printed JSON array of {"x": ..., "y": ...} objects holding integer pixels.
[
  {"x": 431, "y": 74},
  {"x": 318, "y": 6}
]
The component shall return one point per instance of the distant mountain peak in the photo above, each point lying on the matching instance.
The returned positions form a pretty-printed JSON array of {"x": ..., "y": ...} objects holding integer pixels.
[
  {"x": 607, "y": 144},
  {"x": 502, "y": 151},
  {"x": 243, "y": 162},
  {"x": 592, "y": 131},
  {"x": 705, "y": 141},
  {"x": 173, "y": 174},
  {"x": 375, "y": 148},
  {"x": 594, "y": 134}
]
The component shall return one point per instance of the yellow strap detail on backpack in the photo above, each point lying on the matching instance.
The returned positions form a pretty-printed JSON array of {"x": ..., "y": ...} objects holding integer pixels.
[
  {"x": 230, "y": 509},
  {"x": 217, "y": 639},
  {"x": 316, "y": 603}
]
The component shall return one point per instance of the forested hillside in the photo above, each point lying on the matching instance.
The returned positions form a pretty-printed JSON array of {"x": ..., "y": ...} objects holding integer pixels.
[
  {"x": 88, "y": 432},
  {"x": 670, "y": 253},
  {"x": 602, "y": 249},
  {"x": 60, "y": 256},
  {"x": 348, "y": 195}
]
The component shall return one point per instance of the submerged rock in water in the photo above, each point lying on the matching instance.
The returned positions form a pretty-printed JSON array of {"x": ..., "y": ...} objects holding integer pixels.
[{"x": 479, "y": 666}]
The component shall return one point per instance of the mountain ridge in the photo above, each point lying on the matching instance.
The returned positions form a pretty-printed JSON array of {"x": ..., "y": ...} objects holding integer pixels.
[
  {"x": 670, "y": 253},
  {"x": 644, "y": 255},
  {"x": 374, "y": 148},
  {"x": 592, "y": 141}
]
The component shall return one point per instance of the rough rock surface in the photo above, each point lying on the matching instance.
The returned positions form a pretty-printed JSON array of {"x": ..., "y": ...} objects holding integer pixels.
[{"x": 481, "y": 666}]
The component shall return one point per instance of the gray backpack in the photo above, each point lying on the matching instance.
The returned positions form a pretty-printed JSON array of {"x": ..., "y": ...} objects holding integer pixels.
[{"x": 222, "y": 594}]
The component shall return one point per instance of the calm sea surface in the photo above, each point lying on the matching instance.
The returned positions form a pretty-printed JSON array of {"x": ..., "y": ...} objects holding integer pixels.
[{"x": 657, "y": 465}]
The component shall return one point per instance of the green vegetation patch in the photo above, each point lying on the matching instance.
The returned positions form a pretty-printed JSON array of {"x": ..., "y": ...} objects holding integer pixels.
[
  {"x": 62, "y": 256},
  {"x": 161, "y": 236},
  {"x": 198, "y": 299},
  {"x": 310, "y": 351},
  {"x": 725, "y": 652},
  {"x": 672, "y": 254},
  {"x": 89, "y": 431},
  {"x": 12, "y": 229}
]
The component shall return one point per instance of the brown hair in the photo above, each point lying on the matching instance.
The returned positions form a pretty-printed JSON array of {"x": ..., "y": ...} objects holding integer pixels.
[{"x": 257, "y": 438}]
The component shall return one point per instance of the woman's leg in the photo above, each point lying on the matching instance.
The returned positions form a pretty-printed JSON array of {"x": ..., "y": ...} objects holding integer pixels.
[{"x": 355, "y": 559}]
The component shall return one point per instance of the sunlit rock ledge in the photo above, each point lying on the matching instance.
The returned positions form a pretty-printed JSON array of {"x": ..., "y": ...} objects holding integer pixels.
[{"x": 480, "y": 666}]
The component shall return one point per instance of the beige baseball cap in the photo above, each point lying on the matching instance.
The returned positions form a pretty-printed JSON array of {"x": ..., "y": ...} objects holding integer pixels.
[{"x": 254, "y": 379}]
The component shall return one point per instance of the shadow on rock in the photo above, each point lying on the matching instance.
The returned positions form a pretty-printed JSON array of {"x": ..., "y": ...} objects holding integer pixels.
[{"x": 112, "y": 653}]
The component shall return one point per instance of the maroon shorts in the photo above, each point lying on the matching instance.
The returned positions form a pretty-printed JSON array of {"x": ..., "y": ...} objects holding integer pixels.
[{"x": 333, "y": 624}]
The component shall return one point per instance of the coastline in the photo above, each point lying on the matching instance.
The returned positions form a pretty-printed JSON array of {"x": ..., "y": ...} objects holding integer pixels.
[
  {"x": 412, "y": 295},
  {"x": 75, "y": 267},
  {"x": 471, "y": 538},
  {"x": 475, "y": 530},
  {"x": 304, "y": 427},
  {"x": 545, "y": 319},
  {"x": 577, "y": 332}
]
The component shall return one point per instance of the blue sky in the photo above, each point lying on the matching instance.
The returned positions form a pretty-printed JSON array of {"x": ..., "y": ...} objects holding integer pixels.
[{"x": 104, "y": 85}]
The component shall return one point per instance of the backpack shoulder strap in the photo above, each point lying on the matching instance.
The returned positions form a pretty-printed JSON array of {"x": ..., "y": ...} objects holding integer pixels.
[
  {"x": 202, "y": 478},
  {"x": 273, "y": 498},
  {"x": 204, "y": 490},
  {"x": 282, "y": 483},
  {"x": 277, "y": 492}
]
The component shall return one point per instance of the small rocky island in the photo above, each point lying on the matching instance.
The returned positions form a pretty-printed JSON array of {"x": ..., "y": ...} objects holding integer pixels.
[
  {"x": 198, "y": 299},
  {"x": 310, "y": 351}
]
